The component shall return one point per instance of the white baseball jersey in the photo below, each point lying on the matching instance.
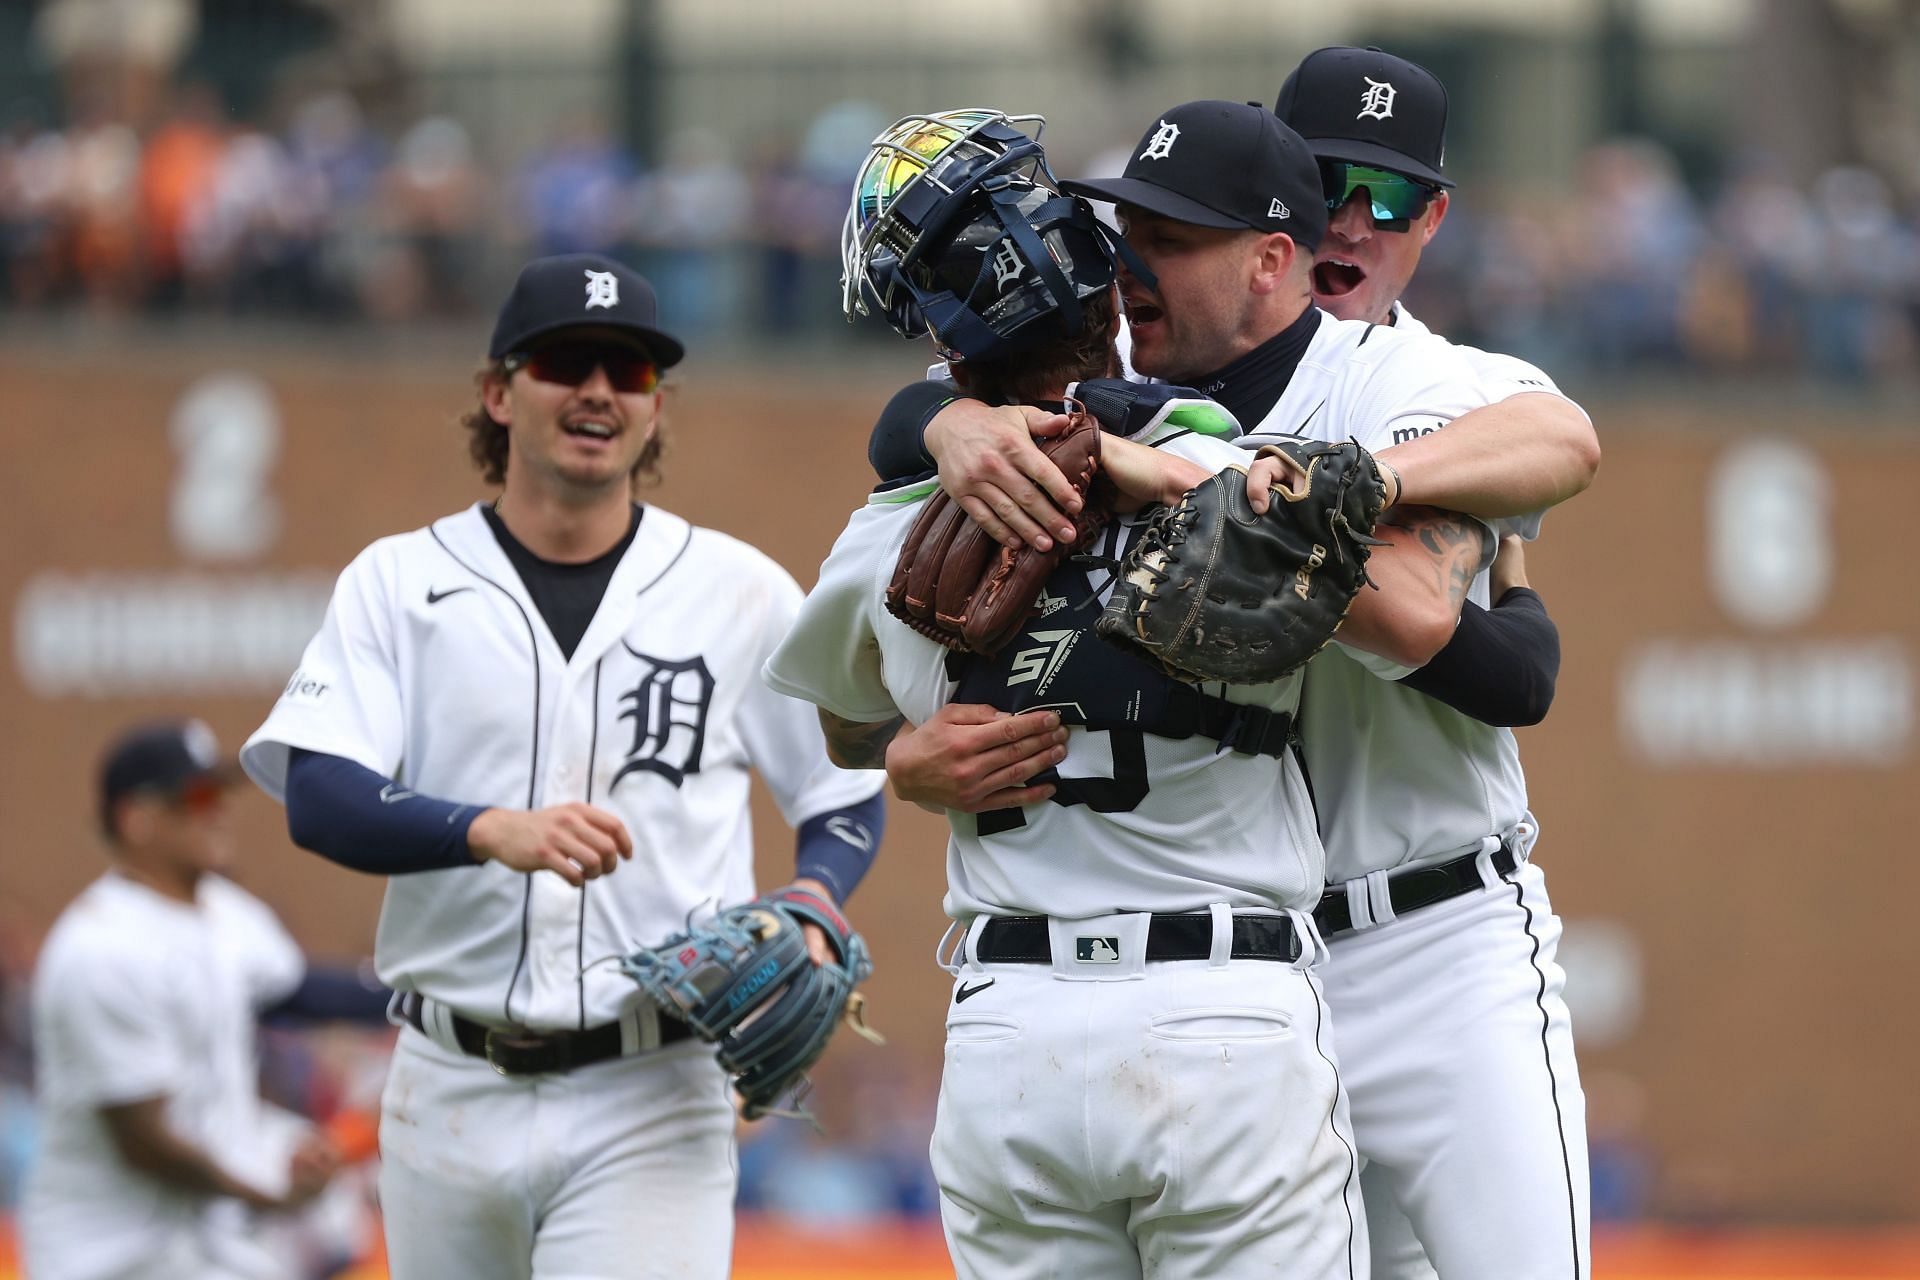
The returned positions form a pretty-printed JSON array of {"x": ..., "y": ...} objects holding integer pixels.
[
  {"x": 1500, "y": 376},
  {"x": 435, "y": 668},
  {"x": 1399, "y": 777},
  {"x": 137, "y": 996},
  {"x": 1195, "y": 824}
]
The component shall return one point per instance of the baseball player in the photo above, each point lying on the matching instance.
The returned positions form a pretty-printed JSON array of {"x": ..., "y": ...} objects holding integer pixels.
[
  {"x": 1109, "y": 1104},
  {"x": 500, "y": 712},
  {"x": 1453, "y": 1030},
  {"x": 155, "y": 1144},
  {"x": 1403, "y": 784}
]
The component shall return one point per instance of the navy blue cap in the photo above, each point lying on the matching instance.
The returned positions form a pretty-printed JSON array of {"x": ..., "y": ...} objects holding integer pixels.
[
  {"x": 1368, "y": 107},
  {"x": 1221, "y": 164},
  {"x": 580, "y": 290},
  {"x": 162, "y": 757}
]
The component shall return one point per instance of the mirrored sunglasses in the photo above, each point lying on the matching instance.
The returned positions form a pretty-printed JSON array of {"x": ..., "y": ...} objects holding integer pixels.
[
  {"x": 569, "y": 364},
  {"x": 1393, "y": 199}
]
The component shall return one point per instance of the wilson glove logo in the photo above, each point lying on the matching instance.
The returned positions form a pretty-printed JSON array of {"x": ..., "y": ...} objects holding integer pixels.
[{"x": 751, "y": 984}]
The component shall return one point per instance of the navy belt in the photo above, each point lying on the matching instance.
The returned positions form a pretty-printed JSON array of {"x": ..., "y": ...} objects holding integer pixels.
[
  {"x": 1024, "y": 939},
  {"x": 1412, "y": 890},
  {"x": 537, "y": 1053}
]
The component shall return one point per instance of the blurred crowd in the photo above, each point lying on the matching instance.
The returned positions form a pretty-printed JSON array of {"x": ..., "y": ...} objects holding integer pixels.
[{"x": 330, "y": 217}]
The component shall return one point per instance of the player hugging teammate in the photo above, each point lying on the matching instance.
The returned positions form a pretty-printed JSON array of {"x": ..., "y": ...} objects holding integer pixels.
[{"x": 1433, "y": 896}]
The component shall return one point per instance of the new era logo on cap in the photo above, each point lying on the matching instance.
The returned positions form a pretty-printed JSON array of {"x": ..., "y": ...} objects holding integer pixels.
[{"x": 1221, "y": 164}]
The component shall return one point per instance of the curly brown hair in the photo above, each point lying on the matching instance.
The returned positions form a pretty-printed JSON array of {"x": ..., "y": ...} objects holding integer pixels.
[
  {"x": 487, "y": 439},
  {"x": 1038, "y": 373}
]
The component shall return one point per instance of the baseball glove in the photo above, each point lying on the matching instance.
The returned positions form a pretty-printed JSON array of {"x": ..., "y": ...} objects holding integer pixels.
[
  {"x": 956, "y": 585},
  {"x": 1212, "y": 591},
  {"x": 744, "y": 981}
]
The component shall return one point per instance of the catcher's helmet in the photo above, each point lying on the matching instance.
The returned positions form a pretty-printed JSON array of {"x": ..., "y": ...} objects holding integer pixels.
[{"x": 957, "y": 228}]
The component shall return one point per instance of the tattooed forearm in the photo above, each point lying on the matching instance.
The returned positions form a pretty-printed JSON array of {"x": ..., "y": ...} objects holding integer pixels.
[
  {"x": 852, "y": 744},
  {"x": 1455, "y": 544}
]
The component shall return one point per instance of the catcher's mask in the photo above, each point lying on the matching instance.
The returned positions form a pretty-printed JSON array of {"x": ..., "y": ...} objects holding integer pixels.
[{"x": 957, "y": 228}]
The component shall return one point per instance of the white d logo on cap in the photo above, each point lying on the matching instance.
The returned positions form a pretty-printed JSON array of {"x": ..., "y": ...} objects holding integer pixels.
[
  {"x": 1376, "y": 102},
  {"x": 1160, "y": 145},
  {"x": 603, "y": 290}
]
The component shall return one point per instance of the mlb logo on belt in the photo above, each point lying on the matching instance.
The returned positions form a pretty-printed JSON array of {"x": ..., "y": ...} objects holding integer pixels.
[{"x": 1097, "y": 950}]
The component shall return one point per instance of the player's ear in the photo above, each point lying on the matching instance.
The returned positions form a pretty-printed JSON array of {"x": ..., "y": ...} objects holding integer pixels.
[
  {"x": 494, "y": 399},
  {"x": 1276, "y": 259},
  {"x": 1436, "y": 213},
  {"x": 133, "y": 820}
]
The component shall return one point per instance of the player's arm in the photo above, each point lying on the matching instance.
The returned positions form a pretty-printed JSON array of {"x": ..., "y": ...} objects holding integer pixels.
[
  {"x": 1422, "y": 576},
  {"x": 147, "y": 1143},
  {"x": 1502, "y": 663},
  {"x": 348, "y": 814},
  {"x": 834, "y": 850},
  {"x": 971, "y": 758},
  {"x": 986, "y": 459},
  {"x": 1515, "y": 456},
  {"x": 330, "y": 994}
]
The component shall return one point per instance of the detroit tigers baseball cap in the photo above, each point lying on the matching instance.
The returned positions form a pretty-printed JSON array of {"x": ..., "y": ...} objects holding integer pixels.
[
  {"x": 167, "y": 757},
  {"x": 1221, "y": 164},
  {"x": 576, "y": 290},
  {"x": 1367, "y": 107}
]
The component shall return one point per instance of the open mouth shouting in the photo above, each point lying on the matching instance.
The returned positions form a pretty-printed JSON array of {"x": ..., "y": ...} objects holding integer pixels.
[
  {"x": 1142, "y": 311},
  {"x": 1336, "y": 277}
]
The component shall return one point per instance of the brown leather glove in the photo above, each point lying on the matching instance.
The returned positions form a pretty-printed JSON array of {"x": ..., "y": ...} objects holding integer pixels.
[{"x": 956, "y": 585}]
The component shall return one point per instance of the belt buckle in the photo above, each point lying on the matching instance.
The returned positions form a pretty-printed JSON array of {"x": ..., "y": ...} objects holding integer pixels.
[{"x": 511, "y": 1041}]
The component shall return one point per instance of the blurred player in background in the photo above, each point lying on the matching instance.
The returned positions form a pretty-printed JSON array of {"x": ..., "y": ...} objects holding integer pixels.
[
  {"x": 157, "y": 1154},
  {"x": 500, "y": 710}
]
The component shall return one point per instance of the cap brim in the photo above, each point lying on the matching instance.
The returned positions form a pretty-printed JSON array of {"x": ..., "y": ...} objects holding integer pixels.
[
  {"x": 1154, "y": 199},
  {"x": 664, "y": 348},
  {"x": 1354, "y": 151}
]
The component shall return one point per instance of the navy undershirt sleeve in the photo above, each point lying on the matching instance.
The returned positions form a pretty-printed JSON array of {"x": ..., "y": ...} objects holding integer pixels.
[
  {"x": 897, "y": 450},
  {"x": 1501, "y": 664},
  {"x": 837, "y": 847},
  {"x": 348, "y": 814},
  {"x": 330, "y": 994}
]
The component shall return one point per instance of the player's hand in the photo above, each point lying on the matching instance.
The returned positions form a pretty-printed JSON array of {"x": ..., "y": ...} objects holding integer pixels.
[
  {"x": 1266, "y": 475},
  {"x": 818, "y": 947},
  {"x": 973, "y": 758},
  {"x": 989, "y": 465},
  {"x": 1509, "y": 566},
  {"x": 574, "y": 841},
  {"x": 309, "y": 1170},
  {"x": 1144, "y": 476}
]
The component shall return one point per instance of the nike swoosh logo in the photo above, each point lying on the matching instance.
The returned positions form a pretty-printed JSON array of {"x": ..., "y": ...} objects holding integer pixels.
[
  {"x": 394, "y": 793},
  {"x": 966, "y": 992},
  {"x": 435, "y": 597}
]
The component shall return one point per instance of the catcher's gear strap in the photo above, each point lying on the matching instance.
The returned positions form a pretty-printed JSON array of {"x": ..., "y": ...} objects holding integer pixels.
[{"x": 1099, "y": 686}]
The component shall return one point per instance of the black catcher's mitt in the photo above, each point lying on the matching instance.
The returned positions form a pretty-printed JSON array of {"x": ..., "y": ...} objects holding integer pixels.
[
  {"x": 1212, "y": 591},
  {"x": 956, "y": 585},
  {"x": 744, "y": 981}
]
